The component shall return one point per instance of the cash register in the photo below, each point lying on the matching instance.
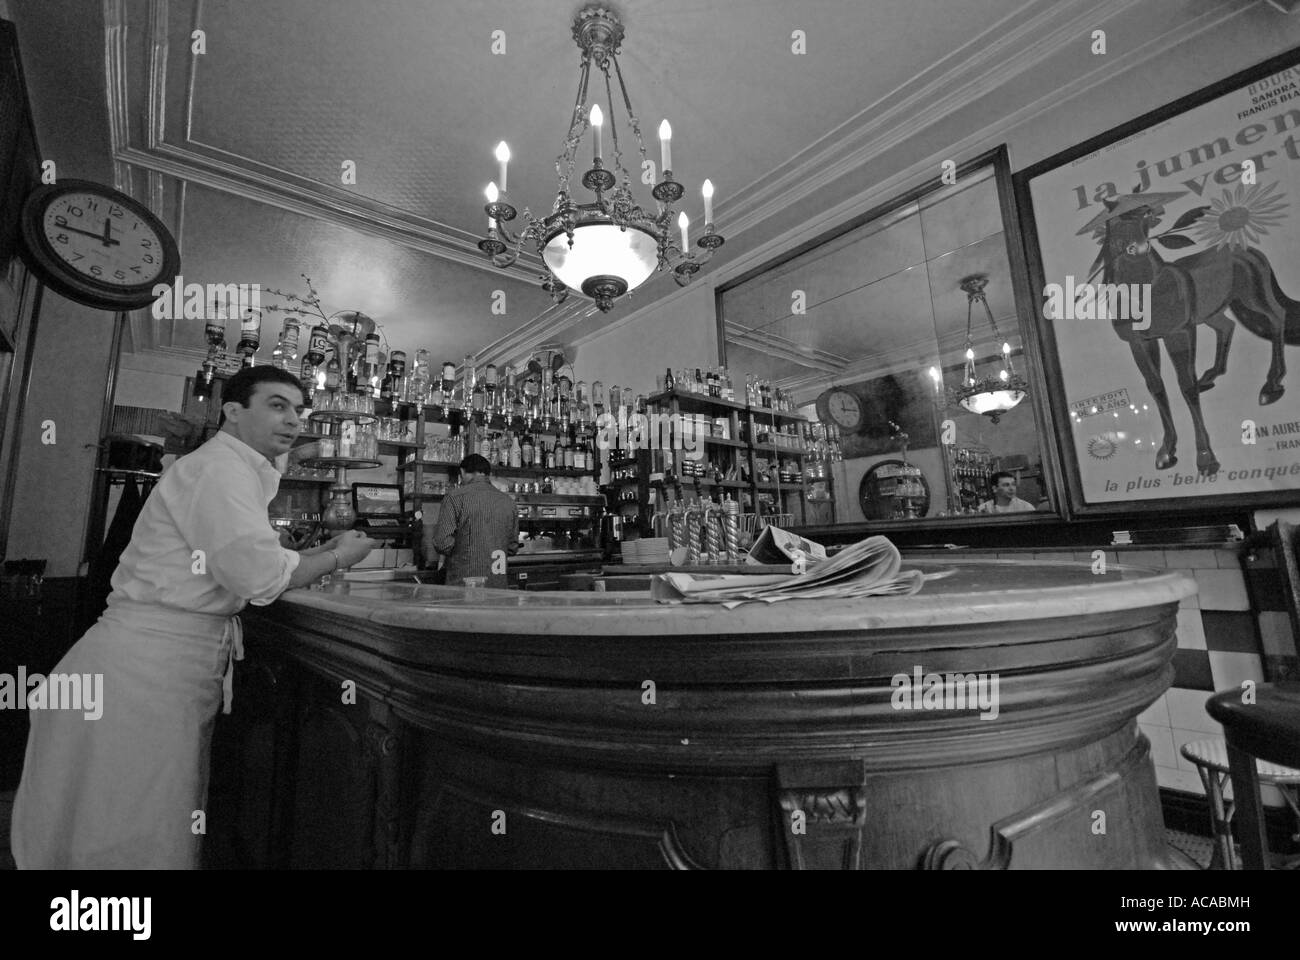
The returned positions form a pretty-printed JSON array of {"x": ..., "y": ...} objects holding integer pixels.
[{"x": 379, "y": 509}]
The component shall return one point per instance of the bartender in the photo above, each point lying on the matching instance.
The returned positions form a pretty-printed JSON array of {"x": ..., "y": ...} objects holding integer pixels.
[
  {"x": 127, "y": 790},
  {"x": 476, "y": 521},
  {"x": 1004, "y": 495}
]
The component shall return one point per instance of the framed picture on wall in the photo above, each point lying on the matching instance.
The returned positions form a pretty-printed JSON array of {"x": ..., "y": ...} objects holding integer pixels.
[{"x": 1165, "y": 255}]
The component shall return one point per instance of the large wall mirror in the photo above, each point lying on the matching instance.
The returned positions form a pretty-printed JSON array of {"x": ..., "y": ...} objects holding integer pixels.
[{"x": 873, "y": 331}]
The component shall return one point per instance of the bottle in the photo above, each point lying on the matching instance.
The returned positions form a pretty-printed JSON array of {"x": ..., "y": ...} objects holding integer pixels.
[
  {"x": 490, "y": 387},
  {"x": 386, "y": 385},
  {"x": 668, "y": 381},
  {"x": 478, "y": 397},
  {"x": 333, "y": 372},
  {"x": 516, "y": 455},
  {"x": 550, "y": 456},
  {"x": 526, "y": 450},
  {"x": 698, "y": 382},
  {"x": 250, "y": 334}
]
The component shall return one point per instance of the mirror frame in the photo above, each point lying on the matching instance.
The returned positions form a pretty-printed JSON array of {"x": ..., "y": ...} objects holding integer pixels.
[{"x": 1031, "y": 341}]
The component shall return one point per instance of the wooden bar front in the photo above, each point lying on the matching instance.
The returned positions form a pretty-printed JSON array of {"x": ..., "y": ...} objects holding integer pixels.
[{"x": 394, "y": 726}]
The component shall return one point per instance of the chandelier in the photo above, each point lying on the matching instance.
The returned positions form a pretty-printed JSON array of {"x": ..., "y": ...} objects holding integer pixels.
[
  {"x": 991, "y": 395},
  {"x": 610, "y": 245}
]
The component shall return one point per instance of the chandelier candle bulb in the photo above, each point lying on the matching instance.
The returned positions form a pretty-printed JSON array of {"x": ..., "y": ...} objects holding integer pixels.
[
  {"x": 503, "y": 156},
  {"x": 492, "y": 193},
  {"x": 683, "y": 221},
  {"x": 707, "y": 190},
  {"x": 597, "y": 119},
  {"x": 665, "y": 148}
]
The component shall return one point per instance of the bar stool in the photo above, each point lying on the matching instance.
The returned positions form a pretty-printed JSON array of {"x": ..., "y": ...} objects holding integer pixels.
[
  {"x": 1210, "y": 756},
  {"x": 1269, "y": 730}
]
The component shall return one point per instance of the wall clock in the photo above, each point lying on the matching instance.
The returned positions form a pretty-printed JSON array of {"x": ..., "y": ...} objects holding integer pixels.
[
  {"x": 96, "y": 245},
  {"x": 842, "y": 408}
]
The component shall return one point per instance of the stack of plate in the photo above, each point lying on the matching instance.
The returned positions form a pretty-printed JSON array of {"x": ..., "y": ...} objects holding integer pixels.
[{"x": 652, "y": 550}]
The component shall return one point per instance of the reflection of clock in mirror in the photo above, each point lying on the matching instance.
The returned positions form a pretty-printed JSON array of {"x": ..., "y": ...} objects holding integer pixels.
[{"x": 842, "y": 408}]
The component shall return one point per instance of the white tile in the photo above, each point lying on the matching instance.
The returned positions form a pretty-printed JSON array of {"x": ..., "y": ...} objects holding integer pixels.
[
  {"x": 1194, "y": 601},
  {"x": 1228, "y": 559},
  {"x": 1230, "y": 670},
  {"x": 1174, "y": 779},
  {"x": 1156, "y": 715},
  {"x": 1190, "y": 560},
  {"x": 1191, "y": 631},
  {"x": 1187, "y": 711},
  {"x": 1143, "y": 558},
  {"x": 1162, "y": 745},
  {"x": 1222, "y": 589},
  {"x": 1275, "y": 632}
]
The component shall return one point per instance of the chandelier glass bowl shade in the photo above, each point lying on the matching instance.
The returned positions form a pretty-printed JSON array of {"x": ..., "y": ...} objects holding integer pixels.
[
  {"x": 609, "y": 244},
  {"x": 994, "y": 394}
]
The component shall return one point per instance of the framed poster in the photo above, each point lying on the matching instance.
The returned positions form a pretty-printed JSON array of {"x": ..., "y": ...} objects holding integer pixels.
[{"x": 1165, "y": 255}]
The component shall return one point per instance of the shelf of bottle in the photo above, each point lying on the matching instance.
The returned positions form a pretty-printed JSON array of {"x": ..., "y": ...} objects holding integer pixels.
[
  {"x": 781, "y": 451},
  {"x": 412, "y": 464},
  {"x": 540, "y": 472},
  {"x": 765, "y": 413},
  {"x": 694, "y": 402},
  {"x": 338, "y": 416},
  {"x": 793, "y": 487},
  {"x": 334, "y": 463},
  {"x": 705, "y": 482}
]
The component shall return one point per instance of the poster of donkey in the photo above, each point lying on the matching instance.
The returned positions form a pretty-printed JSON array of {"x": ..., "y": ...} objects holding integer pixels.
[{"x": 1170, "y": 273}]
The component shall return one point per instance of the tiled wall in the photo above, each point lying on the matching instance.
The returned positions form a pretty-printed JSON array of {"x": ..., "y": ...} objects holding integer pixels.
[{"x": 1234, "y": 629}]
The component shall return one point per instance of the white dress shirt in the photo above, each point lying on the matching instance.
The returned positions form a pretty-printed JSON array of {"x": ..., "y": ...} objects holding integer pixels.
[{"x": 214, "y": 500}]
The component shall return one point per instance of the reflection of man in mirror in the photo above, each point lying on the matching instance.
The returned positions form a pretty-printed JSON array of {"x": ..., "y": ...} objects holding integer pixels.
[{"x": 1004, "y": 496}]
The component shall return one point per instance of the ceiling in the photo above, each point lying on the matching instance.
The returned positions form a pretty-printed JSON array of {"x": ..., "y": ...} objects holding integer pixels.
[{"x": 241, "y": 148}]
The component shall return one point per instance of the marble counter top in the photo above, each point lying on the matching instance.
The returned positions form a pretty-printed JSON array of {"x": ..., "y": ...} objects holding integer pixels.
[{"x": 979, "y": 591}]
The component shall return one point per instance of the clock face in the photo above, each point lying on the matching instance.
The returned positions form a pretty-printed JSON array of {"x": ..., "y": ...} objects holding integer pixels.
[
  {"x": 845, "y": 409},
  {"x": 103, "y": 240},
  {"x": 96, "y": 245}
]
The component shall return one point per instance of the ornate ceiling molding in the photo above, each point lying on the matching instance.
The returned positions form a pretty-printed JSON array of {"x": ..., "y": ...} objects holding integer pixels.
[{"x": 988, "y": 62}]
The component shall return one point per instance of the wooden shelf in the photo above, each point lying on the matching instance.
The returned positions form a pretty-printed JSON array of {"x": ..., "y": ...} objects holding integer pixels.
[
  {"x": 412, "y": 464},
  {"x": 720, "y": 442},
  {"x": 699, "y": 400},
  {"x": 779, "y": 451},
  {"x": 399, "y": 444},
  {"x": 333, "y": 463}
]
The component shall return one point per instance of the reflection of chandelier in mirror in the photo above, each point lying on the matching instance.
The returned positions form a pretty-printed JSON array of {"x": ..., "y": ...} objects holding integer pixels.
[
  {"x": 992, "y": 395},
  {"x": 611, "y": 245}
]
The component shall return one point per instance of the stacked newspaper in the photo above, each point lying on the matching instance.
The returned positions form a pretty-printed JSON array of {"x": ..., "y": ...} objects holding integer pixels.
[{"x": 869, "y": 568}]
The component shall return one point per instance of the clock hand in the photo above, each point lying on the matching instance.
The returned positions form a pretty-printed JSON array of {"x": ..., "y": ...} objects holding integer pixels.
[
  {"x": 108, "y": 230},
  {"x": 86, "y": 233}
]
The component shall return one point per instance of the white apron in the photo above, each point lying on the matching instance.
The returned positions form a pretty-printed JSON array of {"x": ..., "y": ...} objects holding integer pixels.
[{"x": 121, "y": 791}]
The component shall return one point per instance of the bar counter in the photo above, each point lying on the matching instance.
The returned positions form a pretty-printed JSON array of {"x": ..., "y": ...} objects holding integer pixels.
[{"x": 396, "y": 725}]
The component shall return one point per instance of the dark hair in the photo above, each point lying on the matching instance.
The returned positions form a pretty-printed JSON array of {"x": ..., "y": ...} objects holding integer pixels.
[
  {"x": 476, "y": 463},
  {"x": 240, "y": 388},
  {"x": 997, "y": 477}
]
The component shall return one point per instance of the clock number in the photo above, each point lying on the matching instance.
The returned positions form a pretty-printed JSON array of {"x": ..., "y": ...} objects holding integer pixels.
[
  {"x": 97, "y": 270},
  {"x": 92, "y": 205},
  {"x": 145, "y": 242},
  {"x": 136, "y": 269},
  {"x": 60, "y": 220},
  {"x": 119, "y": 274},
  {"x": 62, "y": 238},
  {"x": 76, "y": 212},
  {"x": 115, "y": 211},
  {"x": 148, "y": 258}
]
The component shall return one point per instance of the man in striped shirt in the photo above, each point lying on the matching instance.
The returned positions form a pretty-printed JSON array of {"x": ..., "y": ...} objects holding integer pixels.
[{"x": 476, "y": 521}]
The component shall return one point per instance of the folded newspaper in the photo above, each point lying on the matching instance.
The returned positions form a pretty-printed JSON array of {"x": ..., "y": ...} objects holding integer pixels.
[{"x": 869, "y": 568}]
